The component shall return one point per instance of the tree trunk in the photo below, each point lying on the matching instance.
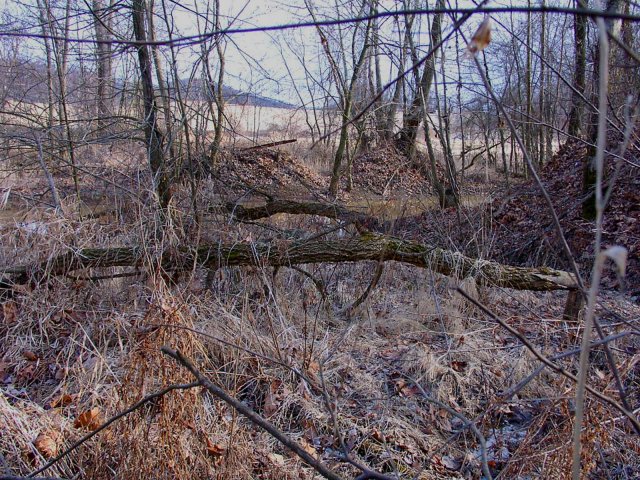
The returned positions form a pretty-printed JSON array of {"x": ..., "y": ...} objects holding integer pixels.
[
  {"x": 409, "y": 133},
  {"x": 346, "y": 111},
  {"x": 579, "y": 72},
  {"x": 588, "y": 168},
  {"x": 153, "y": 136},
  {"x": 542, "y": 91},
  {"x": 327, "y": 210},
  {"x": 163, "y": 88},
  {"x": 102, "y": 21},
  {"x": 368, "y": 247}
]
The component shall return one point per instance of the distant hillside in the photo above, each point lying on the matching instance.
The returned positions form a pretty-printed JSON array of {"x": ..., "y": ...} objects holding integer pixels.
[
  {"x": 197, "y": 91},
  {"x": 26, "y": 81}
]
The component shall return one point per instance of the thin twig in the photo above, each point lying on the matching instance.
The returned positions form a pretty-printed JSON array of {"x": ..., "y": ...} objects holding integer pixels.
[
  {"x": 467, "y": 424},
  {"x": 556, "y": 368},
  {"x": 255, "y": 418},
  {"x": 598, "y": 264},
  {"x": 316, "y": 281},
  {"x": 372, "y": 284},
  {"x": 109, "y": 422}
]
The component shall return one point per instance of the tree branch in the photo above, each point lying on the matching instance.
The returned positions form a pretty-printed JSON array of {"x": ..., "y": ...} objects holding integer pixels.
[
  {"x": 258, "y": 420},
  {"x": 366, "y": 247}
]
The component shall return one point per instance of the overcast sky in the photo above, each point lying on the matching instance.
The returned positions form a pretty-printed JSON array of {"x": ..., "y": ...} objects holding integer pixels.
[{"x": 257, "y": 61}]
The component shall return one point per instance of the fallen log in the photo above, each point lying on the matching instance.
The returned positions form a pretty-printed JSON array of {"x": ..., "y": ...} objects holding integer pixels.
[
  {"x": 268, "y": 145},
  {"x": 368, "y": 246},
  {"x": 293, "y": 207}
]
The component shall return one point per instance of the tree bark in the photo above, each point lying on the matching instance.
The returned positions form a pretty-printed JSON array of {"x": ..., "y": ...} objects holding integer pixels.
[
  {"x": 327, "y": 210},
  {"x": 588, "y": 168},
  {"x": 153, "y": 136},
  {"x": 579, "y": 72},
  {"x": 409, "y": 133},
  {"x": 102, "y": 25},
  {"x": 285, "y": 253},
  {"x": 347, "y": 104}
]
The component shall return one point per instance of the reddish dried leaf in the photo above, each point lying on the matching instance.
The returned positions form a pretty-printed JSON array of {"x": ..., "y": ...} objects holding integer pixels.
[
  {"x": 216, "y": 451},
  {"x": 62, "y": 401},
  {"x": 48, "y": 443},
  {"x": 378, "y": 436},
  {"x": 89, "y": 419},
  {"x": 406, "y": 389},
  {"x": 29, "y": 355},
  {"x": 272, "y": 400},
  {"x": 308, "y": 447},
  {"x": 481, "y": 38},
  {"x": 458, "y": 366},
  {"x": 9, "y": 312}
]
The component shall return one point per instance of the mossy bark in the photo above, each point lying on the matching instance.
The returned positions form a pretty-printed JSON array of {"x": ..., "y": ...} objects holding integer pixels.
[{"x": 367, "y": 247}]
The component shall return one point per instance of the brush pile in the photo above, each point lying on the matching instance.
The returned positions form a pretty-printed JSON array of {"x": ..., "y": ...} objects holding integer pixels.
[
  {"x": 384, "y": 170},
  {"x": 525, "y": 233}
]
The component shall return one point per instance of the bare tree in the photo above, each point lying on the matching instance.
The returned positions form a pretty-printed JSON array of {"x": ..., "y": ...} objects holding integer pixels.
[
  {"x": 103, "y": 26},
  {"x": 346, "y": 87},
  {"x": 153, "y": 134},
  {"x": 588, "y": 167},
  {"x": 409, "y": 132},
  {"x": 579, "y": 72}
]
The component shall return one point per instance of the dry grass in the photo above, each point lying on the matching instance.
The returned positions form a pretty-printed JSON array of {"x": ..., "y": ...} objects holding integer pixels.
[{"x": 70, "y": 345}]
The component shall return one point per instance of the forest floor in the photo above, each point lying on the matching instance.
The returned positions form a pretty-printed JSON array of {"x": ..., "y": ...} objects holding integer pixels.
[{"x": 396, "y": 385}]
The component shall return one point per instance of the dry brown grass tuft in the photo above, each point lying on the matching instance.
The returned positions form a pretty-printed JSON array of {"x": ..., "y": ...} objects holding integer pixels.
[{"x": 75, "y": 345}]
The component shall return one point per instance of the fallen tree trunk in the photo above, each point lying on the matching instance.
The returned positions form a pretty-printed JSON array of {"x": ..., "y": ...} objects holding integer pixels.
[
  {"x": 368, "y": 246},
  {"x": 268, "y": 145},
  {"x": 292, "y": 207}
]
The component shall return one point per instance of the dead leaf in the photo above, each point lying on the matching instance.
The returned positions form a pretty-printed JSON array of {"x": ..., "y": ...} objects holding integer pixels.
[
  {"x": 451, "y": 463},
  {"x": 378, "y": 436},
  {"x": 276, "y": 458},
  {"x": 216, "y": 451},
  {"x": 48, "y": 443},
  {"x": 481, "y": 38},
  {"x": 29, "y": 355},
  {"x": 308, "y": 447},
  {"x": 406, "y": 389},
  {"x": 89, "y": 419},
  {"x": 458, "y": 366},
  {"x": 61, "y": 373},
  {"x": 272, "y": 400},
  {"x": 62, "y": 401},
  {"x": 9, "y": 312}
]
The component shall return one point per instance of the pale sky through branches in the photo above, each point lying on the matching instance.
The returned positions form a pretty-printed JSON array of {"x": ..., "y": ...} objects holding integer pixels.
[{"x": 270, "y": 63}]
